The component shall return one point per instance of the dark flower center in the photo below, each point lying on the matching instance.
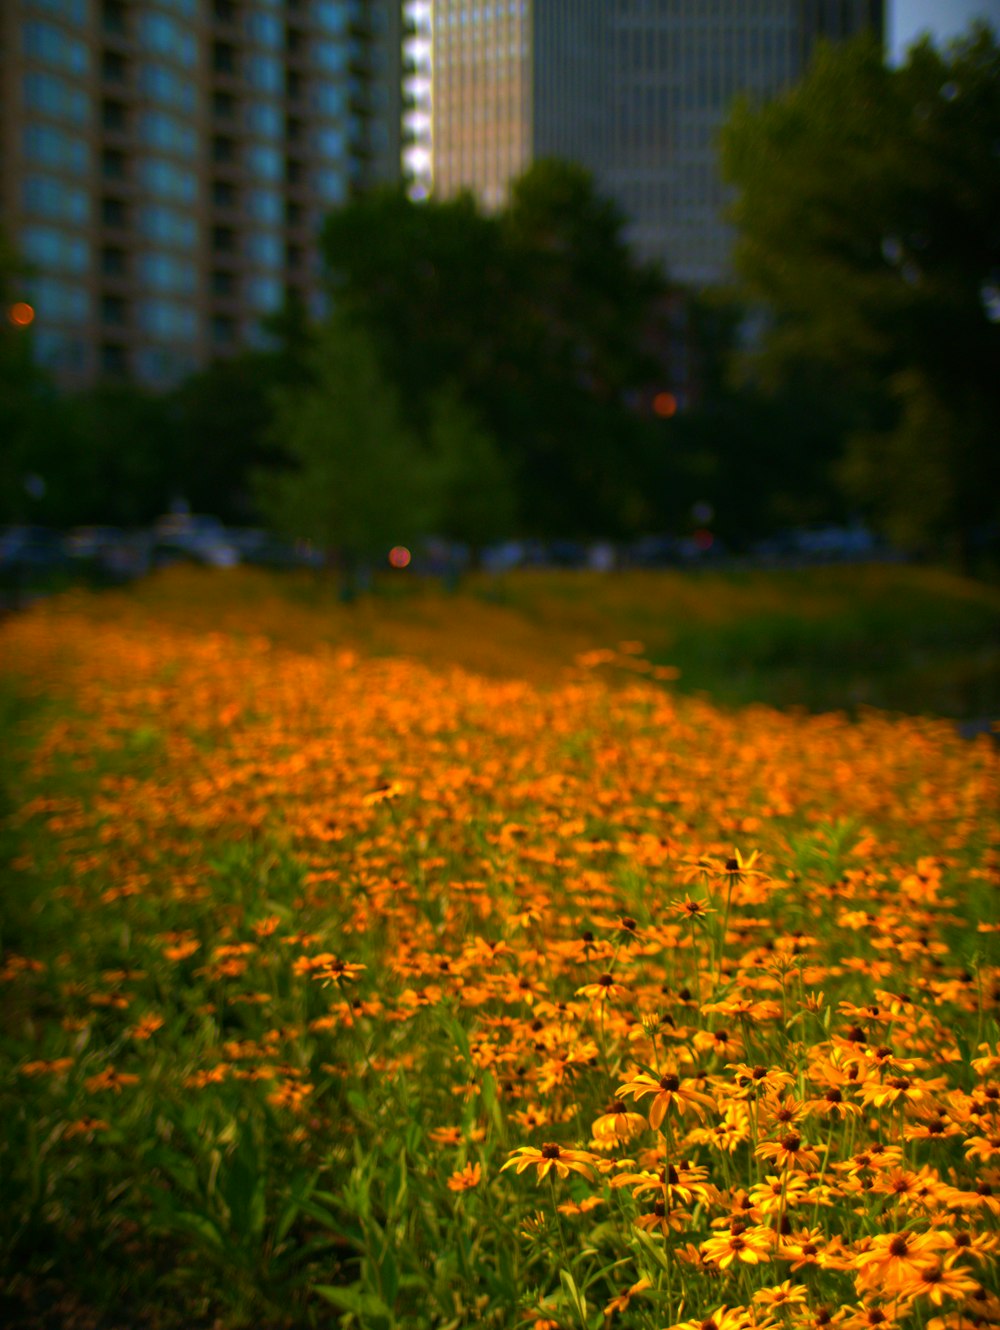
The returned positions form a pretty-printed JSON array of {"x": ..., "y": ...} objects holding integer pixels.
[
  {"x": 550, "y": 1152},
  {"x": 670, "y": 1083},
  {"x": 791, "y": 1142},
  {"x": 898, "y": 1247}
]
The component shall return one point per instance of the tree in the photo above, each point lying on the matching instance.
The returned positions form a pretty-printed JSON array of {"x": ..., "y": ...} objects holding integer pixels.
[
  {"x": 472, "y": 479},
  {"x": 867, "y": 210},
  {"x": 357, "y": 480},
  {"x": 537, "y": 316}
]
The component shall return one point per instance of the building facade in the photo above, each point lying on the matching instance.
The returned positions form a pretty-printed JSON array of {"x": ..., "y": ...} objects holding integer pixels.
[
  {"x": 165, "y": 166},
  {"x": 635, "y": 90}
]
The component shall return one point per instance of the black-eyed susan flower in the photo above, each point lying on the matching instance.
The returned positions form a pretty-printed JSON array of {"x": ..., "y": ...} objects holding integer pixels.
[
  {"x": 670, "y": 1094},
  {"x": 749, "y": 1246},
  {"x": 552, "y": 1158}
]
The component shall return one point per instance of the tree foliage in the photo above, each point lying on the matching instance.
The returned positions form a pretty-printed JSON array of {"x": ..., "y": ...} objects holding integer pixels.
[
  {"x": 356, "y": 480},
  {"x": 867, "y": 209},
  {"x": 538, "y": 314}
]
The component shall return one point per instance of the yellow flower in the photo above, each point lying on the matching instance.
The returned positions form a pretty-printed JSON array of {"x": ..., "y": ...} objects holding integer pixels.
[
  {"x": 669, "y": 1092},
  {"x": 785, "y": 1294},
  {"x": 749, "y": 1245},
  {"x": 553, "y": 1158}
]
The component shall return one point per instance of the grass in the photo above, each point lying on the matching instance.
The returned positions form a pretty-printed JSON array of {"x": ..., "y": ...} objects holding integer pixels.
[{"x": 435, "y": 961}]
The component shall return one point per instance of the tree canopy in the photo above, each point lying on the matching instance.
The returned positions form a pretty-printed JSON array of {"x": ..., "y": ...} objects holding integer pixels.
[
  {"x": 868, "y": 216},
  {"x": 539, "y": 314}
]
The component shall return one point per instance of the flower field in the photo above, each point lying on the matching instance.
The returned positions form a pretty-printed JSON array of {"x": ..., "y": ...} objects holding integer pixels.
[{"x": 346, "y": 989}]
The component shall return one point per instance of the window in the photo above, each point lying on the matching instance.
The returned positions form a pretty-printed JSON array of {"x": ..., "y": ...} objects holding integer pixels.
[
  {"x": 224, "y": 11},
  {"x": 264, "y": 30},
  {"x": 162, "y": 84},
  {"x": 167, "y": 180},
  {"x": 223, "y": 105},
  {"x": 223, "y": 239},
  {"x": 295, "y": 171},
  {"x": 55, "y": 97},
  {"x": 264, "y": 162},
  {"x": 168, "y": 319},
  {"x": 57, "y": 301},
  {"x": 44, "y": 41},
  {"x": 168, "y": 272},
  {"x": 331, "y": 57},
  {"x": 294, "y": 256},
  {"x": 160, "y": 130},
  {"x": 264, "y": 120},
  {"x": 264, "y": 249},
  {"x": 223, "y": 283},
  {"x": 329, "y": 98},
  {"x": 330, "y": 185},
  {"x": 331, "y": 15},
  {"x": 55, "y": 250},
  {"x": 264, "y": 72},
  {"x": 168, "y": 226},
  {"x": 45, "y": 145},
  {"x": 44, "y": 196},
  {"x": 265, "y": 205},
  {"x": 167, "y": 37},
  {"x": 74, "y": 10},
  {"x": 264, "y": 293},
  {"x": 295, "y": 214},
  {"x": 329, "y": 142}
]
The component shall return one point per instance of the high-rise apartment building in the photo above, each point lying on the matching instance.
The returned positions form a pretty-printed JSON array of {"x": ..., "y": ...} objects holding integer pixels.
[
  {"x": 166, "y": 165},
  {"x": 635, "y": 90}
]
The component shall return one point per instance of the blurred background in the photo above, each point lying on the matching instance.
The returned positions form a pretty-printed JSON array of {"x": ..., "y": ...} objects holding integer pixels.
[{"x": 445, "y": 283}]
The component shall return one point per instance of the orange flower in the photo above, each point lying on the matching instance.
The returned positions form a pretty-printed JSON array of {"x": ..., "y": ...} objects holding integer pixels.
[{"x": 466, "y": 1178}]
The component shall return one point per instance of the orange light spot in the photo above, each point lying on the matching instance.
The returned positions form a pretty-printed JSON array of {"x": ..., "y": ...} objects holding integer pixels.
[
  {"x": 399, "y": 556},
  {"x": 21, "y": 314},
  {"x": 665, "y": 405}
]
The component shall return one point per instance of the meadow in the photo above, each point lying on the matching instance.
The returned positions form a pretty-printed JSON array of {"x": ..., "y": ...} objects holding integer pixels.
[{"x": 504, "y": 958}]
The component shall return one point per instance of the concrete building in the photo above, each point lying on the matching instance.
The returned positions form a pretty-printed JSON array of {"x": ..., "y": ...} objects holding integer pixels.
[
  {"x": 165, "y": 165},
  {"x": 635, "y": 90}
]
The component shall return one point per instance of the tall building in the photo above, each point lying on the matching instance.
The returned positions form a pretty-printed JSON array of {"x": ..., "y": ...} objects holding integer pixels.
[
  {"x": 635, "y": 90},
  {"x": 165, "y": 165}
]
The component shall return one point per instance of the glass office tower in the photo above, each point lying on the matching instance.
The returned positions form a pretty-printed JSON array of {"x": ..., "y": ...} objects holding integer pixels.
[
  {"x": 635, "y": 90},
  {"x": 166, "y": 165}
]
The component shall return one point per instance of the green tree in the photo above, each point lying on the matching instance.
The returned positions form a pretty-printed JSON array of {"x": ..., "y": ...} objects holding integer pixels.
[
  {"x": 357, "y": 480},
  {"x": 866, "y": 210},
  {"x": 476, "y": 495},
  {"x": 538, "y": 316}
]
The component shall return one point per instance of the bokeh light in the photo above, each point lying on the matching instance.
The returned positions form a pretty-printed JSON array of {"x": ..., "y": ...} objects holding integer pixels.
[
  {"x": 665, "y": 405},
  {"x": 21, "y": 314},
  {"x": 399, "y": 556}
]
